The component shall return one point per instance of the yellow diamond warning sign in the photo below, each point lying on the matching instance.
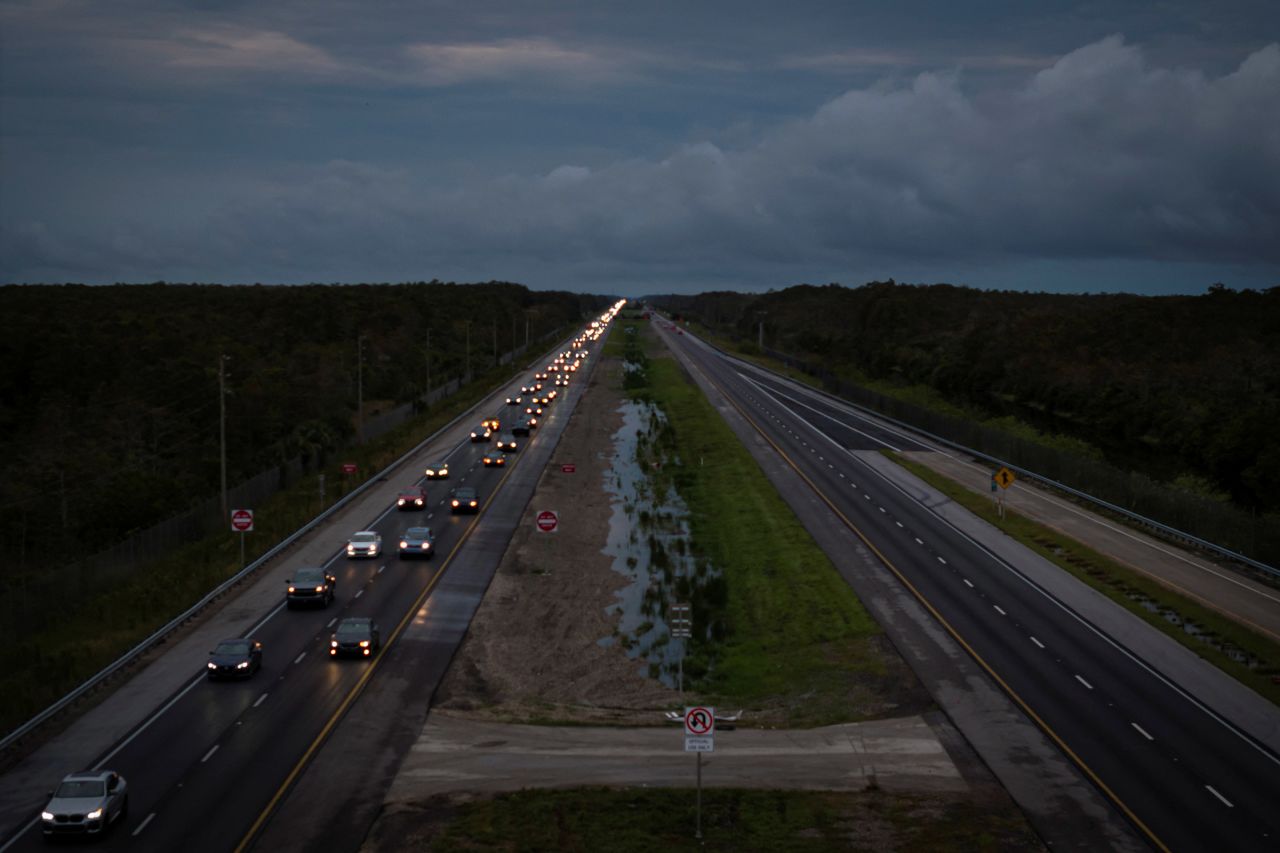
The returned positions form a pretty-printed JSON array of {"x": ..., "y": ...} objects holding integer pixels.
[{"x": 1004, "y": 477}]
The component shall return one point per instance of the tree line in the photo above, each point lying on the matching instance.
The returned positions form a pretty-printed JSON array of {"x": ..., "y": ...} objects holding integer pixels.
[
  {"x": 109, "y": 395},
  {"x": 1185, "y": 389}
]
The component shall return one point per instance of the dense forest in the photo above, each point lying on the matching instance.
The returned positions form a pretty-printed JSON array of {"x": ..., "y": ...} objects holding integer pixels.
[
  {"x": 109, "y": 396},
  {"x": 1182, "y": 388}
]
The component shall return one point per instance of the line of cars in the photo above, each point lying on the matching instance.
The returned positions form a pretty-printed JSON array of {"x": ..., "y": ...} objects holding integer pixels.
[{"x": 88, "y": 803}]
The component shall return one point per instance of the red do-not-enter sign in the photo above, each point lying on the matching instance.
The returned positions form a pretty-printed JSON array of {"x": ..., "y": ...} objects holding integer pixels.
[
  {"x": 242, "y": 520},
  {"x": 548, "y": 520}
]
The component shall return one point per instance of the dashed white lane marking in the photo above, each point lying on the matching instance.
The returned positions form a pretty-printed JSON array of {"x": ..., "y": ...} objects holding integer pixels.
[
  {"x": 210, "y": 753},
  {"x": 829, "y": 465},
  {"x": 968, "y": 583},
  {"x": 299, "y": 658},
  {"x": 940, "y": 560},
  {"x": 432, "y": 514},
  {"x": 261, "y": 699},
  {"x": 998, "y": 610},
  {"x": 1037, "y": 642},
  {"x": 1224, "y": 800},
  {"x": 358, "y": 594},
  {"x": 841, "y": 476},
  {"x": 919, "y": 541},
  {"x": 882, "y": 509},
  {"x": 382, "y": 568},
  {"x": 899, "y": 523},
  {"x": 868, "y": 497},
  {"x": 329, "y": 624},
  {"x": 1085, "y": 683},
  {"x": 1142, "y": 731},
  {"x": 146, "y": 820}
]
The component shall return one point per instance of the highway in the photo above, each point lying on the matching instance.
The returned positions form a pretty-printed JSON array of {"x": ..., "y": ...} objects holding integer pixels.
[
  {"x": 209, "y": 763},
  {"x": 1184, "y": 777}
]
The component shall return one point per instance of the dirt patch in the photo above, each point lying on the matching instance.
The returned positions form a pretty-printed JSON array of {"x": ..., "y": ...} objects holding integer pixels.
[{"x": 533, "y": 651}]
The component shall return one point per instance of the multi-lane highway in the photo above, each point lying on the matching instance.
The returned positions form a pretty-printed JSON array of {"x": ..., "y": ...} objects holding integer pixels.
[
  {"x": 1184, "y": 776},
  {"x": 208, "y": 764}
]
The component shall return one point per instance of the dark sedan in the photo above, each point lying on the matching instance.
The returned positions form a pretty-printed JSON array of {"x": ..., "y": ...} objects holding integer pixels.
[
  {"x": 239, "y": 658},
  {"x": 464, "y": 499},
  {"x": 356, "y": 636},
  {"x": 495, "y": 459},
  {"x": 311, "y": 586},
  {"x": 417, "y": 542}
]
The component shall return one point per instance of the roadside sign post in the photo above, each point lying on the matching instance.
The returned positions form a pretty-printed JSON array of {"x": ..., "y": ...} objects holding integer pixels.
[
  {"x": 1004, "y": 479},
  {"x": 699, "y": 737},
  {"x": 681, "y": 629},
  {"x": 242, "y": 523}
]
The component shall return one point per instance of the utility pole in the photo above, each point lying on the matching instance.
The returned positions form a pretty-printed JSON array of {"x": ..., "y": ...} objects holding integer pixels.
[
  {"x": 495, "y": 340},
  {"x": 360, "y": 387},
  {"x": 760, "y": 338},
  {"x": 428, "y": 367},
  {"x": 222, "y": 428},
  {"x": 526, "y": 330},
  {"x": 467, "y": 378},
  {"x": 513, "y": 335}
]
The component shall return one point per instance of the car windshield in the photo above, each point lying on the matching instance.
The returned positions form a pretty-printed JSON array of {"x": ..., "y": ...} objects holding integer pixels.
[
  {"x": 81, "y": 788},
  {"x": 363, "y": 537},
  {"x": 418, "y": 533},
  {"x": 464, "y": 494},
  {"x": 232, "y": 647},
  {"x": 304, "y": 577},
  {"x": 353, "y": 631}
]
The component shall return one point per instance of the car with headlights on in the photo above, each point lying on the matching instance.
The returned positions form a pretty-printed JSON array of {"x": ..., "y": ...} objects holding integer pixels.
[
  {"x": 85, "y": 804},
  {"x": 310, "y": 586},
  {"x": 414, "y": 497},
  {"x": 438, "y": 471},
  {"x": 524, "y": 426},
  {"x": 417, "y": 542},
  {"x": 533, "y": 409},
  {"x": 492, "y": 424},
  {"x": 481, "y": 433},
  {"x": 364, "y": 543},
  {"x": 507, "y": 442},
  {"x": 514, "y": 400},
  {"x": 495, "y": 459},
  {"x": 239, "y": 658},
  {"x": 464, "y": 499},
  {"x": 355, "y": 636}
]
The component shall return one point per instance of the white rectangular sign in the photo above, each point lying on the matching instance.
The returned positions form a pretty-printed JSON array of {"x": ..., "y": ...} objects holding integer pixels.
[{"x": 695, "y": 743}]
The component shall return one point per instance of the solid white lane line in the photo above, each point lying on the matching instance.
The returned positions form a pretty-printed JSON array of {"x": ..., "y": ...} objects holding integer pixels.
[
  {"x": 1085, "y": 683},
  {"x": 968, "y": 583},
  {"x": 329, "y": 624},
  {"x": 998, "y": 610},
  {"x": 1142, "y": 731},
  {"x": 299, "y": 658},
  {"x": 210, "y": 753},
  {"x": 1224, "y": 800},
  {"x": 1037, "y": 642},
  {"x": 358, "y": 593},
  {"x": 146, "y": 820},
  {"x": 261, "y": 699}
]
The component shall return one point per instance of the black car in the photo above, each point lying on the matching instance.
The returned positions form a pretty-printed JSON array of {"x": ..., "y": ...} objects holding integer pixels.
[
  {"x": 495, "y": 459},
  {"x": 417, "y": 542},
  {"x": 239, "y": 658},
  {"x": 355, "y": 636},
  {"x": 514, "y": 401},
  {"x": 507, "y": 442},
  {"x": 311, "y": 586},
  {"x": 464, "y": 499},
  {"x": 524, "y": 426},
  {"x": 480, "y": 433}
]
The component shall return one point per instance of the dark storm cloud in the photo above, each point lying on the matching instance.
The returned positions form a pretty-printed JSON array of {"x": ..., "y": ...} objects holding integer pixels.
[{"x": 488, "y": 148}]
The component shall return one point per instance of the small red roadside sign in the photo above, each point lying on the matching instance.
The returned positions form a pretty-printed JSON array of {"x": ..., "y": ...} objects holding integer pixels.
[
  {"x": 568, "y": 468},
  {"x": 348, "y": 467},
  {"x": 242, "y": 520},
  {"x": 548, "y": 521}
]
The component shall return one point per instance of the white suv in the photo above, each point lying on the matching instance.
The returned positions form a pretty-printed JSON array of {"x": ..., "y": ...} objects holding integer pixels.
[{"x": 86, "y": 804}]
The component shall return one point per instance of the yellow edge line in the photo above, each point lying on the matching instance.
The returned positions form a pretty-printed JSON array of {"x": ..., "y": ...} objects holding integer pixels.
[
  {"x": 947, "y": 625},
  {"x": 364, "y": 679}
]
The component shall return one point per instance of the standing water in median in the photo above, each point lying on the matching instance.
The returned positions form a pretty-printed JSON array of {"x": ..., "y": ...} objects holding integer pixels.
[{"x": 649, "y": 544}]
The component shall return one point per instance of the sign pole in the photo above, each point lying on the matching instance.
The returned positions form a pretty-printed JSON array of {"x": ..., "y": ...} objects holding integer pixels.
[
  {"x": 242, "y": 549},
  {"x": 698, "y": 833}
]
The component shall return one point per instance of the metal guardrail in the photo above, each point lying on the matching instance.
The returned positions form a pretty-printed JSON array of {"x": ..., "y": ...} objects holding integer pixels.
[
  {"x": 1165, "y": 529},
  {"x": 129, "y": 656}
]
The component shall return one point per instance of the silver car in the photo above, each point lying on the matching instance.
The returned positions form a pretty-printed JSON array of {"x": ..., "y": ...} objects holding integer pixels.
[
  {"x": 365, "y": 543},
  {"x": 86, "y": 804}
]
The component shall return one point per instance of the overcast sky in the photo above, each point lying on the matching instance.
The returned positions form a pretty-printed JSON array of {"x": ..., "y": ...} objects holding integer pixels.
[{"x": 629, "y": 147}]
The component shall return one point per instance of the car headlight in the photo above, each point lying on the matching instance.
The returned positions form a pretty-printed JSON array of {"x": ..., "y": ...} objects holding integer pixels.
[
  {"x": 212, "y": 665},
  {"x": 95, "y": 814},
  {"x": 364, "y": 644},
  {"x": 426, "y": 545},
  {"x": 351, "y": 549},
  {"x": 46, "y": 815},
  {"x": 455, "y": 503},
  {"x": 418, "y": 501},
  {"x": 333, "y": 644},
  {"x": 244, "y": 664},
  {"x": 473, "y": 503},
  {"x": 400, "y": 502},
  {"x": 320, "y": 588},
  {"x": 292, "y": 589},
  {"x": 404, "y": 544}
]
